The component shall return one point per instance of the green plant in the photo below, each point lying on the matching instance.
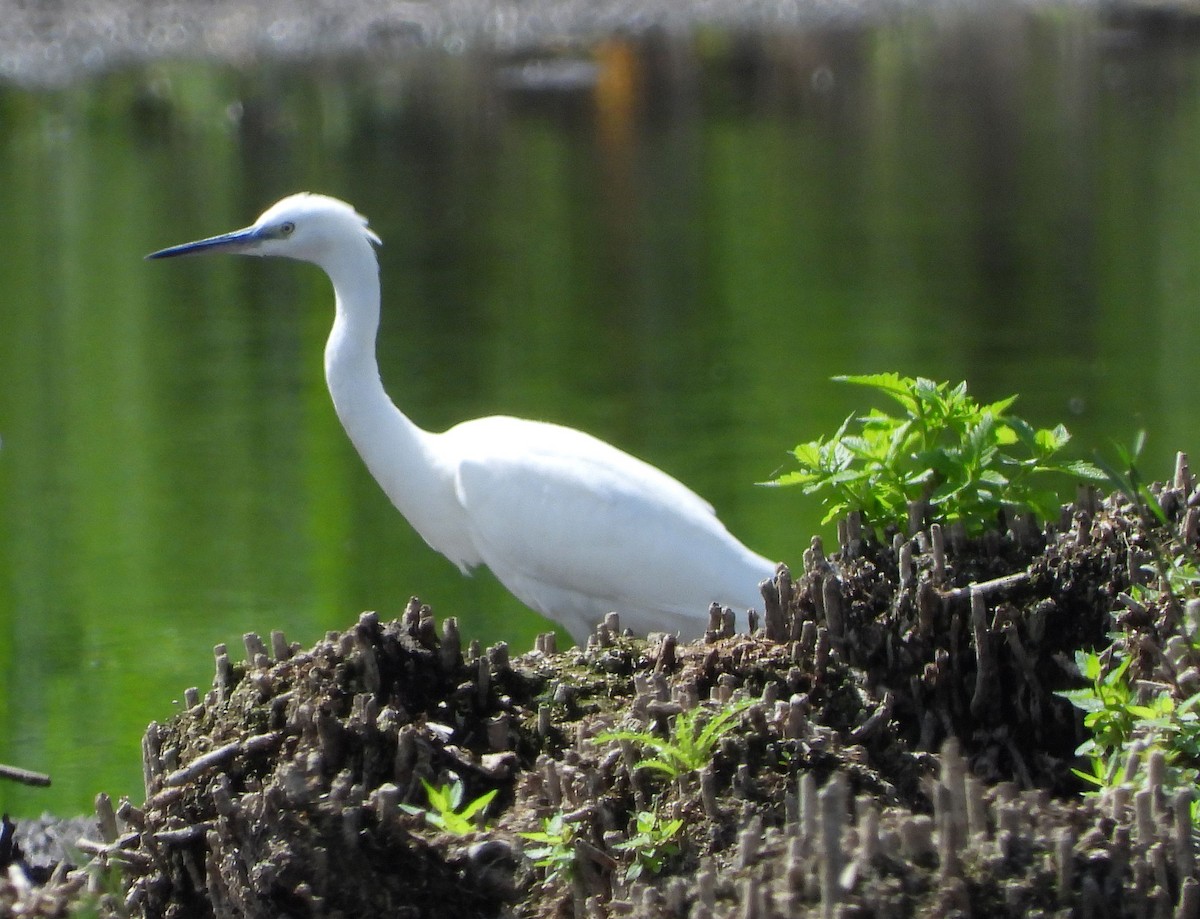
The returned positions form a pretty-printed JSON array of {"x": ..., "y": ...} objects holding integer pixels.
[
  {"x": 692, "y": 742},
  {"x": 1176, "y": 575},
  {"x": 965, "y": 460},
  {"x": 1129, "y": 727},
  {"x": 1108, "y": 705},
  {"x": 446, "y": 810},
  {"x": 556, "y": 853},
  {"x": 88, "y": 908},
  {"x": 1175, "y": 578},
  {"x": 1119, "y": 722},
  {"x": 107, "y": 883},
  {"x": 1129, "y": 482},
  {"x": 651, "y": 845}
]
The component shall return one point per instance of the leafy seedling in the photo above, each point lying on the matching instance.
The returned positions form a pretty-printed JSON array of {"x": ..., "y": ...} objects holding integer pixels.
[
  {"x": 1124, "y": 730},
  {"x": 692, "y": 742},
  {"x": 446, "y": 810},
  {"x": 556, "y": 850},
  {"x": 651, "y": 845},
  {"x": 1107, "y": 704},
  {"x": 956, "y": 459}
]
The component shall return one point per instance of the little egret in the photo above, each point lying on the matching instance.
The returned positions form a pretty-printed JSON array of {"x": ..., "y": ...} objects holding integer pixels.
[{"x": 571, "y": 525}]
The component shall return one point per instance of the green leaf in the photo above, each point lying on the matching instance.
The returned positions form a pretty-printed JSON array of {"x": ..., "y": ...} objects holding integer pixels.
[
  {"x": 999, "y": 407},
  {"x": 478, "y": 805},
  {"x": 444, "y": 807},
  {"x": 1051, "y": 440},
  {"x": 1084, "y": 470},
  {"x": 809, "y": 454},
  {"x": 790, "y": 478}
]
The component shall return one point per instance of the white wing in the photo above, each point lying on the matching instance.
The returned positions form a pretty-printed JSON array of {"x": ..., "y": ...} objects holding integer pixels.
[{"x": 575, "y": 527}]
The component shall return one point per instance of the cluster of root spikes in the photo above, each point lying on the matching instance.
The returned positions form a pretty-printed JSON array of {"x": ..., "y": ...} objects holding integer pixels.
[{"x": 899, "y": 750}]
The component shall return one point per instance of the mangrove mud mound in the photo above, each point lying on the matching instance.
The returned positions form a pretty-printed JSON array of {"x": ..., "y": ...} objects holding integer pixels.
[{"x": 897, "y": 748}]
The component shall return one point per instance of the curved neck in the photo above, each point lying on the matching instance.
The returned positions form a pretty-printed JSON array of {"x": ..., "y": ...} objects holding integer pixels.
[
  {"x": 350, "y": 367},
  {"x": 397, "y": 452}
]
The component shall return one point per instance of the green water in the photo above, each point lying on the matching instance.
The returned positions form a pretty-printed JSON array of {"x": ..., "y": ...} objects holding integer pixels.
[{"x": 676, "y": 260}]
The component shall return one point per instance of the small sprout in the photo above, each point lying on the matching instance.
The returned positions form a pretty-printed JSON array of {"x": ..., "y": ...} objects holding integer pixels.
[
  {"x": 1176, "y": 576},
  {"x": 556, "y": 853},
  {"x": 446, "y": 810},
  {"x": 651, "y": 845},
  {"x": 1107, "y": 703},
  {"x": 1118, "y": 722},
  {"x": 1124, "y": 730},
  {"x": 692, "y": 742},
  {"x": 1130, "y": 483}
]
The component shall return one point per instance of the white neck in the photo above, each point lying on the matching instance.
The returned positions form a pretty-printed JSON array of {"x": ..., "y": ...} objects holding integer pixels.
[
  {"x": 401, "y": 456},
  {"x": 350, "y": 367}
]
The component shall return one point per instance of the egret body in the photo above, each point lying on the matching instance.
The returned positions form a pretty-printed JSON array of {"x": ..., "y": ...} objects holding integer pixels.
[{"x": 571, "y": 525}]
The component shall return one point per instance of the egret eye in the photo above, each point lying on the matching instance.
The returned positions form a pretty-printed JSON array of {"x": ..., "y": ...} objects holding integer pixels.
[{"x": 287, "y": 229}]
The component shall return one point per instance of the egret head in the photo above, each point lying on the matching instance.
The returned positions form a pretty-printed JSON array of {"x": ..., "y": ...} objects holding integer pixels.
[{"x": 304, "y": 226}]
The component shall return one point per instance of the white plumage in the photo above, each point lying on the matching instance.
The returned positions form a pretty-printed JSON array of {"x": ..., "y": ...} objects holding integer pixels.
[{"x": 571, "y": 525}]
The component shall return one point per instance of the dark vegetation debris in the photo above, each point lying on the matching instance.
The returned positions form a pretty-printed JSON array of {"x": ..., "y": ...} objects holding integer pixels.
[{"x": 902, "y": 752}]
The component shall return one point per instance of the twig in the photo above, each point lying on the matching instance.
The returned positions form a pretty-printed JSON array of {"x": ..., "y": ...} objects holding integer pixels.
[
  {"x": 219, "y": 756},
  {"x": 183, "y": 835},
  {"x": 24, "y": 776},
  {"x": 118, "y": 850},
  {"x": 996, "y": 585},
  {"x": 984, "y": 665}
]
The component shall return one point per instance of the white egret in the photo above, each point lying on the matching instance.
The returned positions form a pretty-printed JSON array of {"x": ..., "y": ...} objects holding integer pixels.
[{"x": 571, "y": 525}]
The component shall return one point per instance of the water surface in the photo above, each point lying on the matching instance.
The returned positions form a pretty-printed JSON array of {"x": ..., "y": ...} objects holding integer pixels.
[{"x": 670, "y": 244}]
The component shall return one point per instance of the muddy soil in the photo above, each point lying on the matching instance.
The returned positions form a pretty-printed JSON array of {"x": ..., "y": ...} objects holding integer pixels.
[{"x": 899, "y": 750}]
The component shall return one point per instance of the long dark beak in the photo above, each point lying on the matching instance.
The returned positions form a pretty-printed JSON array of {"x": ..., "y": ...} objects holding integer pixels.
[{"x": 237, "y": 242}]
